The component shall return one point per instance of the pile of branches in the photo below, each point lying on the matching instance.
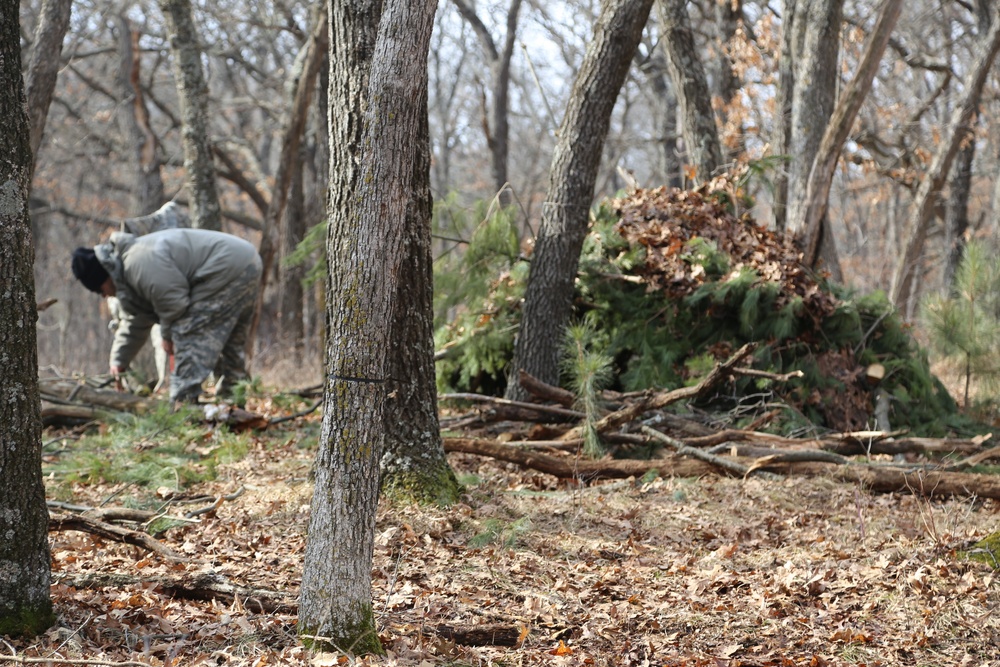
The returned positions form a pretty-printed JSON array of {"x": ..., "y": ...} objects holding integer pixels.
[{"x": 549, "y": 441}]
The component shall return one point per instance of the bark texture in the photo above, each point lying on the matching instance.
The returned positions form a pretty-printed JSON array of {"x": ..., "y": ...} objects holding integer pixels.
[
  {"x": 192, "y": 91},
  {"x": 701, "y": 137},
  {"x": 812, "y": 35},
  {"x": 25, "y": 606},
  {"x": 414, "y": 465},
  {"x": 566, "y": 212},
  {"x": 142, "y": 146},
  {"x": 378, "y": 82},
  {"x": 43, "y": 65},
  {"x": 808, "y": 213}
]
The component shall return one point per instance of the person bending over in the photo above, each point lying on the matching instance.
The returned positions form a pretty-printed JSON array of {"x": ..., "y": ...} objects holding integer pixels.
[{"x": 199, "y": 285}]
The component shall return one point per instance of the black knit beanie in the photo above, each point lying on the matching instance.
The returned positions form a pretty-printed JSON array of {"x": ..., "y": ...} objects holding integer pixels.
[{"x": 88, "y": 270}]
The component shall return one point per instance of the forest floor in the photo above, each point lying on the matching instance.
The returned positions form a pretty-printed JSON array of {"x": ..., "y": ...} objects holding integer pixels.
[{"x": 706, "y": 571}]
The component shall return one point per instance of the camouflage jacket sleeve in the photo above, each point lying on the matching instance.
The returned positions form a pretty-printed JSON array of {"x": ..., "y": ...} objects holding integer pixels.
[{"x": 130, "y": 335}]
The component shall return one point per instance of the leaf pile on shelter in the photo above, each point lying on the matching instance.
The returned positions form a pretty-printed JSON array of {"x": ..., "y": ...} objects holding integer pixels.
[
  {"x": 668, "y": 222},
  {"x": 670, "y": 282}
]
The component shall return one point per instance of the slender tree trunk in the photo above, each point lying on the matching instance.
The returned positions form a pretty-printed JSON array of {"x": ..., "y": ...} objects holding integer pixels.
[
  {"x": 783, "y": 124},
  {"x": 565, "y": 214},
  {"x": 957, "y": 211},
  {"x": 907, "y": 271},
  {"x": 956, "y": 218},
  {"x": 728, "y": 19},
  {"x": 25, "y": 605},
  {"x": 378, "y": 85},
  {"x": 43, "y": 66},
  {"x": 497, "y": 136},
  {"x": 668, "y": 167},
  {"x": 290, "y": 293},
  {"x": 414, "y": 466},
  {"x": 701, "y": 137},
  {"x": 304, "y": 84},
  {"x": 133, "y": 117},
  {"x": 192, "y": 91},
  {"x": 808, "y": 214}
]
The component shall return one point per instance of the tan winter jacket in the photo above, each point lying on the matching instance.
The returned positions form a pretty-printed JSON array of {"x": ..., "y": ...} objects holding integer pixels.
[{"x": 160, "y": 276}]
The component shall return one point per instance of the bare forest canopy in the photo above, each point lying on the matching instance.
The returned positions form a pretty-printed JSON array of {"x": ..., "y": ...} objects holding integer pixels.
[{"x": 499, "y": 82}]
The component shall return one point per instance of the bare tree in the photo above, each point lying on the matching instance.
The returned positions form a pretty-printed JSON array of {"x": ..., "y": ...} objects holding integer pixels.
[
  {"x": 808, "y": 214},
  {"x": 498, "y": 126},
  {"x": 907, "y": 270},
  {"x": 414, "y": 465},
  {"x": 193, "y": 94},
  {"x": 565, "y": 214},
  {"x": 378, "y": 61},
  {"x": 25, "y": 605},
  {"x": 142, "y": 144},
  {"x": 43, "y": 65}
]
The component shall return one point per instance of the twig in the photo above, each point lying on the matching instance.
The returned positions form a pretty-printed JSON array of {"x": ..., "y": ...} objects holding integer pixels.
[
  {"x": 684, "y": 450},
  {"x": 545, "y": 409},
  {"x": 777, "y": 377},
  {"x": 975, "y": 459},
  {"x": 115, "y": 533},
  {"x": 21, "y": 660},
  {"x": 303, "y": 413}
]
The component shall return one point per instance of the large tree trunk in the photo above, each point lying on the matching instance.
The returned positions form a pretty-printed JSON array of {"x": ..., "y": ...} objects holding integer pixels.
[
  {"x": 142, "y": 145},
  {"x": 414, "y": 466},
  {"x": 43, "y": 66},
  {"x": 192, "y": 91},
  {"x": 378, "y": 82},
  {"x": 701, "y": 137},
  {"x": 907, "y": 271},
  {"x": 812, "y": 33},
  {"x": 566, "y": 212},
  {"x": 25, "y": 606},
  {"x": 808, "y": 213}
]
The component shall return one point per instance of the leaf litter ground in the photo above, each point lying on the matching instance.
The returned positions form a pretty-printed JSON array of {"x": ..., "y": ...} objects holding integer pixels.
[{"x": 709, "y": 571}]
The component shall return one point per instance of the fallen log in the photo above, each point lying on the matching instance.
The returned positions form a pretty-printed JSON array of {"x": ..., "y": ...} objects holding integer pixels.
[
  {"x": 876, "y": 478},
  {"x": 80, "y": 401},
  {"x": 86, "y": 524},
  {"x": 68, "y": 391},
  {"x": 481, "y": 635},
  {"x": 566, "y": 467},
  {"x": 192, "y": 586}
]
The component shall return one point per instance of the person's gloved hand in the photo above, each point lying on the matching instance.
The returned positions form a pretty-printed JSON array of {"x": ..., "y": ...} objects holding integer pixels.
[{"x": 116, "y": 373}]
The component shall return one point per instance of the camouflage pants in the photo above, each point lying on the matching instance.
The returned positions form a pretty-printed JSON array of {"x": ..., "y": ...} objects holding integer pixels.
[{"x": 211, "y": 337}]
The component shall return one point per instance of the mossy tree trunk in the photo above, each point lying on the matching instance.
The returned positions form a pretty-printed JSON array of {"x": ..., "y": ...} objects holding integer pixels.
[
  {"x": 414, "y": 466},
  {"x": 378, "y": 82},
  {"x": 25, "y": 605}
]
